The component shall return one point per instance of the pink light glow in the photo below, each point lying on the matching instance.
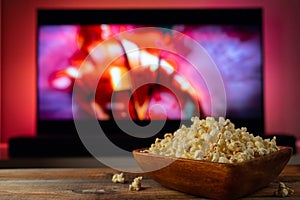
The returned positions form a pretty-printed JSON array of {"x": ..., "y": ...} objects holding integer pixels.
[{"x": 281, "y": 34}]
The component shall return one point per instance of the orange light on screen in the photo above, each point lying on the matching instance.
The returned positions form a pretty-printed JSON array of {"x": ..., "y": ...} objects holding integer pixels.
[
  {"x": 120, "y": 78},
  {"x": 115, "y": 74}
]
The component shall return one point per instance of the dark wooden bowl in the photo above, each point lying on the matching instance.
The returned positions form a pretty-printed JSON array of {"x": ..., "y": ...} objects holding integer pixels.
[{"x": 211, "y": 179}]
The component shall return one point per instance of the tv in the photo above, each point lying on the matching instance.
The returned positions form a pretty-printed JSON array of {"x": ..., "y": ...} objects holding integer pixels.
[{"x": 150, "y": 76}]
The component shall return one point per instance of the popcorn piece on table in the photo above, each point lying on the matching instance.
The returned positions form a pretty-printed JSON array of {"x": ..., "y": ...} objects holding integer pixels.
[
  {"x": 136, "y": 185},
  {"x": 118, "y": 178},
  {"x": 283, "y": 190}
]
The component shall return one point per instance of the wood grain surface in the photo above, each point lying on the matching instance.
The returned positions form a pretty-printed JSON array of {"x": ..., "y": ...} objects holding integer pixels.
[{"x": 95, "y": 183}]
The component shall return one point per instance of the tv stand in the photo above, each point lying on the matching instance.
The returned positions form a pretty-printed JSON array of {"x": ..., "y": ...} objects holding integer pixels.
[{"x": 47, "y": 146}]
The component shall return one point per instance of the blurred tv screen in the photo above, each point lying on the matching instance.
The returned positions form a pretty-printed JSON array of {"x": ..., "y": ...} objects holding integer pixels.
[{"x": 173, "y": 89}]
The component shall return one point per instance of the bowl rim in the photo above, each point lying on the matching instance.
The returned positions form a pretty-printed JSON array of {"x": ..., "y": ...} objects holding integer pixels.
[{"x": 280, "y": 150}]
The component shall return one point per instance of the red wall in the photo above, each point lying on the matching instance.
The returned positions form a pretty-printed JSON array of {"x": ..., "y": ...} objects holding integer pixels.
[{"x": 281, "y": 41}]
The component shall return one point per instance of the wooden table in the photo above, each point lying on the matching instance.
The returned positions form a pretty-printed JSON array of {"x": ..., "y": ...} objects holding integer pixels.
[{"x": 95, "y": 183}]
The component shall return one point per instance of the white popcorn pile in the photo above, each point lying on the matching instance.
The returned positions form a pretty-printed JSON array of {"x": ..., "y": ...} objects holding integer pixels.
[
  {"x": 118, "y": 178},
  {"x": 212, "y": 140},
  {"x": 136, "y": 185}
]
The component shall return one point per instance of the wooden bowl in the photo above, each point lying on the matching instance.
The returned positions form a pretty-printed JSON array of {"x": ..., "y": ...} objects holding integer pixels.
[{"x": 211, "y": 179}]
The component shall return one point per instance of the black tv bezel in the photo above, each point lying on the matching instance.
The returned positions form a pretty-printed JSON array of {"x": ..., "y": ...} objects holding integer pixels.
[{"x": 236, "y": 16}]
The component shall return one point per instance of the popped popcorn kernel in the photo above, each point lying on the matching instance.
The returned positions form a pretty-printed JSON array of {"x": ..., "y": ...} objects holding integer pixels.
[
  {"x": 136, "y": 185},
  {"x": 283, "y": 190},
  {"x": 118, "y": 178},
  {"x": 213, "y": 140}
]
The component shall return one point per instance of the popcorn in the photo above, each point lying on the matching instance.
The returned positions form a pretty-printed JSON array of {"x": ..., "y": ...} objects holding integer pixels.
[
  {"x": 118, "y": 178},
  {"x": 283, "y": 190},
  {"x": 212, "y": 140},
  {"x": 136, "y": 185}
]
